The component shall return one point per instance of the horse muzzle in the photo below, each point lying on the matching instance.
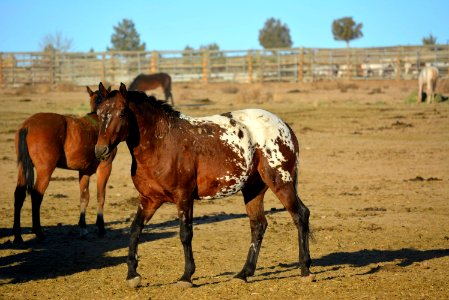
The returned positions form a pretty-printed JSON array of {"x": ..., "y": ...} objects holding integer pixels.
[{"x": 102, "y": 152}]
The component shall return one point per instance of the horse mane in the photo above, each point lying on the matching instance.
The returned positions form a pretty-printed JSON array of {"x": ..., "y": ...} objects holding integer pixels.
[{"x": 143, "y": 100}]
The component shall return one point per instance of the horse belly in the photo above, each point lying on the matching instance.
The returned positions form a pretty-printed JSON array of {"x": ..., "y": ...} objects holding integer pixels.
[{"x": 219, "y": 178}]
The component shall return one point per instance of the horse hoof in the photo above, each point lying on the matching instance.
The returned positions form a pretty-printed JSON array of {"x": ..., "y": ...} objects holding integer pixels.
[
  {"x": 134, "y": 282},
  {"x": 308, "y": 278},
  {"x": 184, "y": 284},
  {"x": 241, "y": 276}
]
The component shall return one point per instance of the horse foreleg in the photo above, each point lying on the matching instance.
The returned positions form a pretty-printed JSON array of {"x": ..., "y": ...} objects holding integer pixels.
[
  {"x": 103, "y": 172},
  {"x": 84, "y": 201},
  {"x": 185, "y": 213},
  {"x": 146, "y": 210},
  {"x": 258, "y": 223}
]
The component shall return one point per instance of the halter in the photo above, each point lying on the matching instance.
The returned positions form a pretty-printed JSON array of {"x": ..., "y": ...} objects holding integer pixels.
[{"x": 92, "y": 120}]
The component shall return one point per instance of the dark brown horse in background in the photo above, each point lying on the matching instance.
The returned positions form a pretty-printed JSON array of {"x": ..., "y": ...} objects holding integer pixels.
[
  {"x": 47, "y": 141},
  {"x": 145, "y": 82},
  {"x": 176, "y": 158}
]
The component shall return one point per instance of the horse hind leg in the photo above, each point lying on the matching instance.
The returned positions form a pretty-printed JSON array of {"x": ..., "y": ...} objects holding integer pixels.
[
  {"x": 253, "y": 197},
  {"x": 37, "y": 195},
  {"x": 286, "y": 193},
  {"x": 19, "y": 198}
]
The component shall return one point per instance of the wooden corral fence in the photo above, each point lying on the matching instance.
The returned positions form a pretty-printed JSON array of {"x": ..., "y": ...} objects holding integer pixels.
[{"x": 295, "y": 64}]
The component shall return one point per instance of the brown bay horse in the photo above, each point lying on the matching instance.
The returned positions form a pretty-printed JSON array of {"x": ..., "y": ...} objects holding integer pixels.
[
  {"x": 176, "y": 158},
  {"x": 144, "y": 82},
  {"x": 46, "y": 141}
]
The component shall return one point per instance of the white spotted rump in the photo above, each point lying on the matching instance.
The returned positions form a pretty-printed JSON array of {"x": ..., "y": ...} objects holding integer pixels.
[{"x": 244, "y": 131}]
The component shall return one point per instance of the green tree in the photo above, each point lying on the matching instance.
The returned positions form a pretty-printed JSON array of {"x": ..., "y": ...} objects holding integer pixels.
[
  {"x": 429, "y": 40},
  {"x": 346, "y": 29},
  {"x": 126, "y": 37},
  {"x": 274, "y": 34}
]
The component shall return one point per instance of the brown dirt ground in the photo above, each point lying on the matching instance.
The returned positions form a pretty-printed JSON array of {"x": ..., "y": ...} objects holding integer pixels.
[{"x": 374, "y": 172}]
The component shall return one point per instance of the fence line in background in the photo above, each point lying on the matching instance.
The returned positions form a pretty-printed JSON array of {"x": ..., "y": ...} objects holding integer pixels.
[{"x": 295, "y": 65}]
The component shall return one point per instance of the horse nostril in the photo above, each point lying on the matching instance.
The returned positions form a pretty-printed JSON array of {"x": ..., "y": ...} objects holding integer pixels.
[{"x": 101, "y": 152}]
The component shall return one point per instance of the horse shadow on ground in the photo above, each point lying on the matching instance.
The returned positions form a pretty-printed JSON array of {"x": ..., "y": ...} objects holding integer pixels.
[
  {"x": 64, "y": 253},
  {"x": 334, "y": 261}
]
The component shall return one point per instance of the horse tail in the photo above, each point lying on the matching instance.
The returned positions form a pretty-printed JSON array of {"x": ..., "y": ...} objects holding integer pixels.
[{"x": 23, "y": 158}]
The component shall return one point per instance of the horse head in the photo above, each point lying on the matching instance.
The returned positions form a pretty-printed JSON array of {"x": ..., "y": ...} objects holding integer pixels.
[
  {"x": 96, "y": 98},
  {"x": 113, "y": 114}
]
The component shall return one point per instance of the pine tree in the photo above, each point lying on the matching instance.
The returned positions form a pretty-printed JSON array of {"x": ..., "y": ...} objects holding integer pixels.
[{"x": 126, "y": 37}]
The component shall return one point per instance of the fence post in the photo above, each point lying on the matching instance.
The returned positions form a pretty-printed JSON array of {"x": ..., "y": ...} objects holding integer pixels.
[
  {"x": 51, "y": 67},
  {"x": 153, "y": 68},
  {"x": 205, "y": 65},
  {"x": 103, "y": 67},
  {"x": 398, "y": 64},
  {"x": 260, "y": 65},
  {"x": 250, "y": 67},
  {"x": 301, "y": 65}
]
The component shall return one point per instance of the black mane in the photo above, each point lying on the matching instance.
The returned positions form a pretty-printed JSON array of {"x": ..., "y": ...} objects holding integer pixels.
[{"x": 140, "y": 98}]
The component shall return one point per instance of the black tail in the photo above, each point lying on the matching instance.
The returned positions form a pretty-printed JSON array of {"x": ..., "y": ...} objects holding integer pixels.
[{"x": 24, "y": 158}]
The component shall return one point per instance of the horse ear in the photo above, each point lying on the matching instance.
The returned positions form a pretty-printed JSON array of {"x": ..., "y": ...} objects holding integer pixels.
[
  {"x": 123, "y": 90},
  {"x": 109, "y": 89},
  {"x": 89, "y": 91},
  {"x": 104, "y": 92}
]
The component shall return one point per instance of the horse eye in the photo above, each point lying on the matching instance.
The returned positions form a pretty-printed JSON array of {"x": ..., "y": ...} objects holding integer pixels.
[{"x": 122, "y": 115}]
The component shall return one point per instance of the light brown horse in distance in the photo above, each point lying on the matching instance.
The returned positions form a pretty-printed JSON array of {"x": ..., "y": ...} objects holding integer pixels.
[
  {"x": 46, "y": 141},
  {"x": 144, "y": 82},
  {"x": 428, "y": 76}
]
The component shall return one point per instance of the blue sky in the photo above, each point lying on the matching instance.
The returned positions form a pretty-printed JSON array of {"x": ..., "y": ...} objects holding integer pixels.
[{"x": 232, "y": 24}]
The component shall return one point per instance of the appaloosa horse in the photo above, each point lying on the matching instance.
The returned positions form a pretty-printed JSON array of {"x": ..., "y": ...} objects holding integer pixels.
[
  {"x": 46, "y": 141},
  {"x": 144, "y": 82},
  {"x": 176, "y": 158}
]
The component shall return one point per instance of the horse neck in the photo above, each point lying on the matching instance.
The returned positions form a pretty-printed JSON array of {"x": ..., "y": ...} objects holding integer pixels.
[{"x": 148, "y": 124}]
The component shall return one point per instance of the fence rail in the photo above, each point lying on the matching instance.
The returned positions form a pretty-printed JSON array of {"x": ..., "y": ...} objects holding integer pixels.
[{"x": 295, "y": 64}]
